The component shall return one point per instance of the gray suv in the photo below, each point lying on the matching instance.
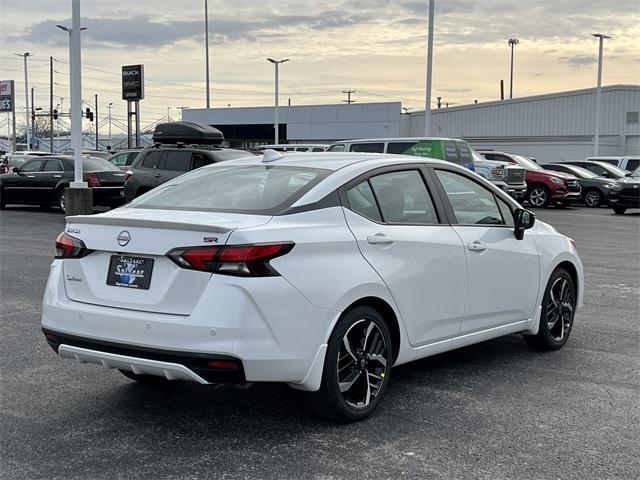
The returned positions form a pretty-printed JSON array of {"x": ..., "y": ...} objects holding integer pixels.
[{"x": 156, "y": 165}]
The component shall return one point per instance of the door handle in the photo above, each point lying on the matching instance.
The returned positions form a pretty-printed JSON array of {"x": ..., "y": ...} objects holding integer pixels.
[
  {"x": 379, "y": 239},
  {"x": 31, "y": 176},
  {"x": 157, "y": 175},
  {"x": 57, "y": 176},
  {"x": 477, "y": 246}
]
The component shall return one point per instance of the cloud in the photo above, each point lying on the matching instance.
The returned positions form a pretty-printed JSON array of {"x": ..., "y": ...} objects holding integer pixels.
[
  {"x": 141, "y": 31},
  {"x": 579, "y": 60}
]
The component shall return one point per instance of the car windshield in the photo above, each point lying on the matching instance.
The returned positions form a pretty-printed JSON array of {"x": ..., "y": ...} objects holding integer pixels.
[
  {"x": 526, "y": 163},
  {"x": 613, "y": 169},
  {"x": 250, "y": 189},
  {"x": 97, "y": 164},
  {"x": 581, "y": 172},
  {"x": 636, "y": 173}
]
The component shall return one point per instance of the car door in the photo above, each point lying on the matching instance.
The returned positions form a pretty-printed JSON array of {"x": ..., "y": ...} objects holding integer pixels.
[
  {"x": 23, "y": 188},
  {"x": 51, "y": 175},
  {"x": 502, "y": 271},
  {"x": 150, "y": 164},
  {"x": 419, "y": 257}
]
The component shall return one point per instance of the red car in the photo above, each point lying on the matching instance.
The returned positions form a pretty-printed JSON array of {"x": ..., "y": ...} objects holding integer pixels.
[{"x": 543, "y": 186}]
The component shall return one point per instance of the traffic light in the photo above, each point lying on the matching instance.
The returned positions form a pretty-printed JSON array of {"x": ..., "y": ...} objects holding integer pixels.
[
  {"x": 89, "y": 114},
  {"x": 55, "y": 114},
  {"x": 33, "y": 116}
]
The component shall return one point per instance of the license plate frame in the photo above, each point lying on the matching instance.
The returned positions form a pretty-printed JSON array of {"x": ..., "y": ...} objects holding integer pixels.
[{"x": 134, "y": 272}]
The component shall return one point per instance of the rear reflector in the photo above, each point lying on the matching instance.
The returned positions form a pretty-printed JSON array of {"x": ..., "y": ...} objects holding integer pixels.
[
  {"x": 237, "y": 260},
  {"x": 223, "y": 364},
  {"x": 70, "y": 247}
]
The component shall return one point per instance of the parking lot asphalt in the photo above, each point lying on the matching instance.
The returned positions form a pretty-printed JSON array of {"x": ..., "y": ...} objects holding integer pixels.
[{"x": 494, "y": 410}]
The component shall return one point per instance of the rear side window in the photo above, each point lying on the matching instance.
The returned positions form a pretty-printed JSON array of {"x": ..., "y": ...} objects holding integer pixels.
[
  {"x": 152, "y": 160},
  {"x": 339, "y": 147},
  {"x": 362, "y": 201},
  {"x": 399, "y": 147},
  {"x": 256, "y": 189},
  {"x": 302, "y": 149},
  {"x": 403, "y": 198},
  {"x": 131, "y": 156},
  {"x": 367, "y": 147},
  {"x": 53, "y": 166},
  {"x": 318, "y": 149},
  {"x": 199, "y": 160},
  {"x": 177, "y": 161},
  {"x": 450, "y": 152},
  {"x": 120, "y": 159}
]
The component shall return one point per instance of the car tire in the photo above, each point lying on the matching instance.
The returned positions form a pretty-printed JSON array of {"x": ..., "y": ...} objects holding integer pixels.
[
  {"x": 619, "y": 210},
  {"x": 2, "y": 201},
  {"x": 558, "y": 312},
  {"x": 61, "y": 200},
  {"x": 144, "y": 379},
  {"x": 593, "y": 198},
  {"x": 538, "y": 196},
  {"x": 357, "y": 367}
]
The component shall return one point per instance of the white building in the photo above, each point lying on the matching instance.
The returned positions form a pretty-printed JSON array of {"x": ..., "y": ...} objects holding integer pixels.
[{"x": 549, "y": 127}]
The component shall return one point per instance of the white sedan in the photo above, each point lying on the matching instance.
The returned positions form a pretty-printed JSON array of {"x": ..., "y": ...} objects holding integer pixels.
[{"x": 319, "y": 270}]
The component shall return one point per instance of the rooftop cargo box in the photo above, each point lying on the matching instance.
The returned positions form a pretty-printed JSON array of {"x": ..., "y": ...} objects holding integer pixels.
[{"x": 187, "y": 132}]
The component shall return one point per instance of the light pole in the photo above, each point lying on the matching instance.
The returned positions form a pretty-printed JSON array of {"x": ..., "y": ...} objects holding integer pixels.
[
  {"x": 276, "y": 126},
  {"x": 206, "y": 48},
  {"x": 79, "y": 198},
  {"x": 512, "y": 43},
  {"x": 110, "y": 104},
  {"x": 427, "y": 106},
  {"x": 596, "y": 131},
  {"x": 26, "y": 55}
]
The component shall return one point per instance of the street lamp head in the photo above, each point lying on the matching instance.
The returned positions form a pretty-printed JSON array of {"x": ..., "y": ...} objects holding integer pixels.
[
  {"x": 271, "y": 60},
  {"x": 513, "y": 41},
  {"x": 62, "y": 27},
  {"x": 600, "y": 35},
  {"x": 276, "y": 62}
]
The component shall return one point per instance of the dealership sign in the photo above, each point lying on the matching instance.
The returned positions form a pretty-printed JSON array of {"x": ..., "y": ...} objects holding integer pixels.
[
  {"x": 7, "y": 99},
  {"x": 133, "y": 82}
]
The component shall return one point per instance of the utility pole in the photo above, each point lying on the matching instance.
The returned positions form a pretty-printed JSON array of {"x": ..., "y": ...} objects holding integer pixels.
[
  {"x": 33, "y": 118},
  {"x": 427, "y": 106},
  {"x": 96, "y": 119},
  {"x": 348, "y": 101},
  {"x": 512, "y": 43},
  {"x": 26, "y": 55},
  {"x": 168, "y": 114},
  {"x": 51, "y": 104},
  {"x": 182, "y": 109},
  {"x": 596, "y": 130},
  {"x": 206, "y": 47}
]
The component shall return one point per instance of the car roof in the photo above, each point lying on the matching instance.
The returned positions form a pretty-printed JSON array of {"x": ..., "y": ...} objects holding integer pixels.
[
  {"x": 397, "y": 139},
  {"x": 331, "y": 160}
]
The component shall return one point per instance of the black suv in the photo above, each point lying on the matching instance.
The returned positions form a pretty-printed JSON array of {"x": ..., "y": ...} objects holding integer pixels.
[
  {"x": 156, "y": 165},
  {"x": 626, "y": 193}
]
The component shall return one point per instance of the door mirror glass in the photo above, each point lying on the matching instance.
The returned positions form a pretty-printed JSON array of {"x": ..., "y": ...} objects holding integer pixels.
[
  {"x": 524, "y": 220},
  {"x": 16, "y": 170}
]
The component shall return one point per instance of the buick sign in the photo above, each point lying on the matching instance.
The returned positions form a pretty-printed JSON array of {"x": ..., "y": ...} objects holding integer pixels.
[{"x": 133, "y": 82}]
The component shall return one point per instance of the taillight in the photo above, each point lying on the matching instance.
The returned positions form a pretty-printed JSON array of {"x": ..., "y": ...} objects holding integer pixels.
[
  {"x": 93, "y": 180},
  {"x": 70, "y": 247},
  {"x": 127, "y": 175},
  {"x": 237, "y": 260}
]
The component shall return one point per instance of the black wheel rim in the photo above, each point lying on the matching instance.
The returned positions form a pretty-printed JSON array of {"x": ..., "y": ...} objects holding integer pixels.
[
  {"x": 362, "y": 363},
  {"x": 560, "y": 309},
  {"x": 537, "y": 197}
]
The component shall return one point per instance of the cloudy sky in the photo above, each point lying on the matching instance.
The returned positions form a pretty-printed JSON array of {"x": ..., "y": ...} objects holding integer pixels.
[{"x": 376, "y": 47}]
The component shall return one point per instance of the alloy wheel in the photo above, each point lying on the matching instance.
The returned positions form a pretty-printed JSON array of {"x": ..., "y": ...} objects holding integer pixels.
[
  {"x": 592, "y": 198},
  {"x": 61, "y": 201},
  {"x": 560, "y": 309},
  {"x": 362, "y": 363},
  {"x": 538, "y": 197}
]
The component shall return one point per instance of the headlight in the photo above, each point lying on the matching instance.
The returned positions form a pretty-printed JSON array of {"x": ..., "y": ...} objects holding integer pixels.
[
  {"x": 497, "y": 173},
  {"x": 557, "y": 181},
  {"x": 609, "y": 185}
]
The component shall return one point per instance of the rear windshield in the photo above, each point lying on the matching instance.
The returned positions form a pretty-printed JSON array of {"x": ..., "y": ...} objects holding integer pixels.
[
  {"x": 253, "y": 189},
  {"x": 97, "y": 165},
  {"x": 222, "y": 155}
]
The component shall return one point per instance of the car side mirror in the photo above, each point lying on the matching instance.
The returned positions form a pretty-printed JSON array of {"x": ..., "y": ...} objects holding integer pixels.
[
  {"x": 524, "y": 220},
  {"x": 628, "y": 174},
  {"x": 604, "y": 174},
  {"x": 16, "y": 170}
]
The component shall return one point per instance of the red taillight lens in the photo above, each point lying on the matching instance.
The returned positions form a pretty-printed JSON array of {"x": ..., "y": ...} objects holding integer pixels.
[
  {"x": 93, "y": 180},
  {"x": 237, "y": 260},
  {"x": 127, "y": 175},
  {"x": 70, "y": 247}
]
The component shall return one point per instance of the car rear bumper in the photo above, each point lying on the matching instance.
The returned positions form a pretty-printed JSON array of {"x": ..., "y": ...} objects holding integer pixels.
[
  {"x": 269, "y": 329},
  {"x": 620, "y": 201}
]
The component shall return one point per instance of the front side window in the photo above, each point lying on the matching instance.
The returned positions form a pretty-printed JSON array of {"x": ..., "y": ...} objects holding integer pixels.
[
  {"x": 338, "y": 147},
  {"x": 450, "y": 152},
  {"x": 403, "y": 198},
  {"x": 400, "y": 147},
  {"x": 472, "y": 203},
  {"x": 367, "y": 147},
  {"x": 258, "y": 190},
  {"x": 32, "y": 166}
]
